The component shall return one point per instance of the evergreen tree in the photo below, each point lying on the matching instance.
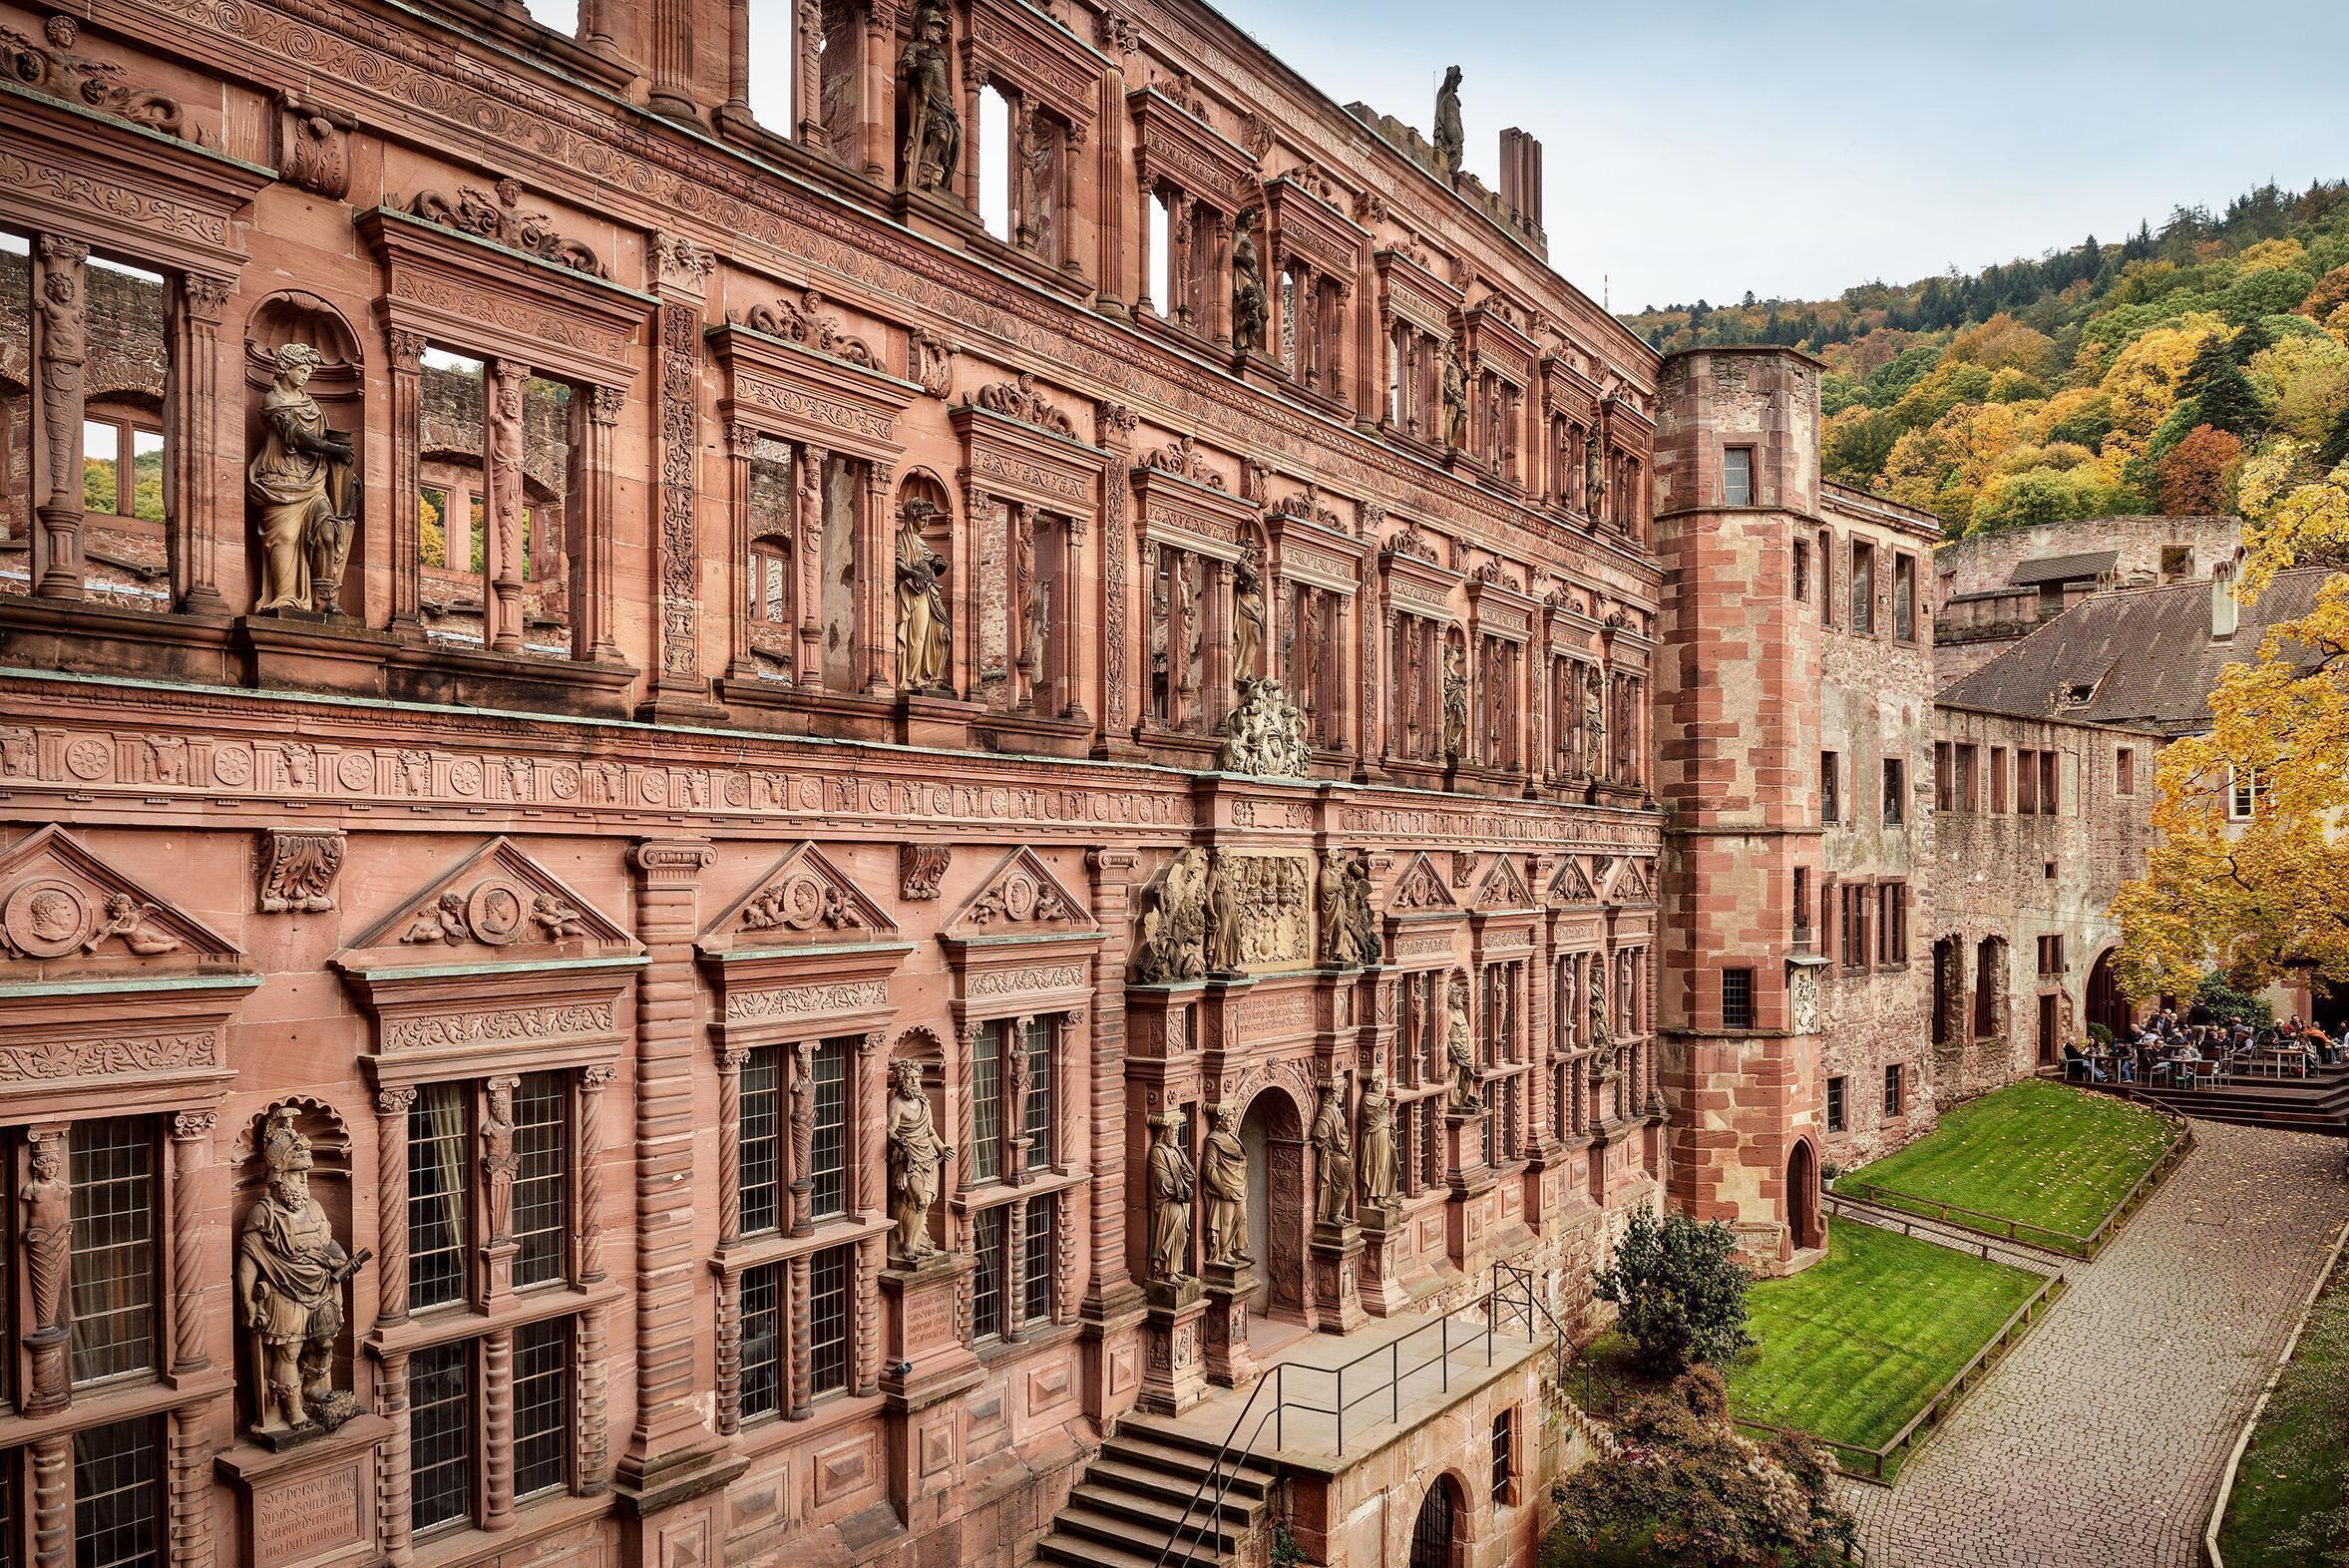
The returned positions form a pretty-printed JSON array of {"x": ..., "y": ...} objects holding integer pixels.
[
  {"x": 2335, "y": 447},
  {"x": 2223, "y": 395}
]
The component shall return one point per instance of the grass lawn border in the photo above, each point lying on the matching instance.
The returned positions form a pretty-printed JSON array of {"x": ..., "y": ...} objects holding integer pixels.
[
  {"x": 2275, "y": 1374},
  {"x": 2070, "y": 1243},
  {"x": 1881, "y": 1466}
]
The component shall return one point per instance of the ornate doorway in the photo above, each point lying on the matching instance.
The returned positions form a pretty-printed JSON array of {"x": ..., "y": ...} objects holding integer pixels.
[
  {"x": 1431, "y": 1536},
  {"x": 1276, "y": 1211},
  {"x": 2105, "y": 1005}
]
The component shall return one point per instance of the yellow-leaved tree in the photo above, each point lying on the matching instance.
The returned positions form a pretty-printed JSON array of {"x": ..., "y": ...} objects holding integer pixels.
[{"x": 2263, "y": 896}]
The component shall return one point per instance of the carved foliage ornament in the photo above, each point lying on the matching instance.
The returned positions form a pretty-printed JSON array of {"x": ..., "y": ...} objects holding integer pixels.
[
  {"x": 1020, "y": 399},
  {"x": 298, "y": 868},
  {"x": 1180, "y": 458},
  {"x": 49, "y": 64},
  {"x": 919, "y": 868},
  {"x": 804, "y": 321},
  {"x": 498, "y": 215}
]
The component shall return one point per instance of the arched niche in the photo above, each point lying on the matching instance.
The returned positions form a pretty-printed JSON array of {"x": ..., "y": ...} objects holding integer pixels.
[
  {"x": 923, "y": 500},
  {"x": 339, "y": 384}
]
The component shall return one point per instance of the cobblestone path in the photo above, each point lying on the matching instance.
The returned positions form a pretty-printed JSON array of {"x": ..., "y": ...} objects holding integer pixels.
[{"x": 2099, "y": 1441}]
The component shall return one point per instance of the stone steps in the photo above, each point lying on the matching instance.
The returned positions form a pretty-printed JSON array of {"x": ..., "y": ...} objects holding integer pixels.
[{"x": 1145, "y": 1483}]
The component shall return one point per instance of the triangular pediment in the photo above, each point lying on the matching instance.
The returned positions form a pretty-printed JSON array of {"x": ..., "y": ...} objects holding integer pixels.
[
  {"x": 498, "y": 905},
  {"x": 803, "y": 898},
  {"x": 1632, "y": 882},
  {"x": 1420, "y": 888},
  {"x": 1019, "y": 895},
  {"x": 64, "y": 908},
  {"x": 1505, "y": 886},
  {"x": 1574, "y": 884}
]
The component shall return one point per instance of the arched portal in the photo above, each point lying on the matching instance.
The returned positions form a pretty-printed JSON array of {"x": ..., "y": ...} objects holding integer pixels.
[
  {"x": 1274, "y": 1139},
  {"x": 1803, "y": 1226},
  {"x": 2105, "y": 1005},
  {"x": 1431, "y": 1536}
]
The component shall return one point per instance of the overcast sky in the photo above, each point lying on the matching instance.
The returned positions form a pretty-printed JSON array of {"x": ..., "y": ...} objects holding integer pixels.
[{"x": 1702, "y": 148}]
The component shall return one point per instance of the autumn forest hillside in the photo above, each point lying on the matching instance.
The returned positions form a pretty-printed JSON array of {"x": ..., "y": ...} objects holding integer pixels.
[{"x": 2147, "y": 375}]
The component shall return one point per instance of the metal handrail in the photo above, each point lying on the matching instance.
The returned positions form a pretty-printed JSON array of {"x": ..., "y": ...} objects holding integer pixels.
[{"x": 1277, "y": 1380}]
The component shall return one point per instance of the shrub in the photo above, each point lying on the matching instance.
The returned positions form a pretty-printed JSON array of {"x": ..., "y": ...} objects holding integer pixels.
[
  {"x": 1681, "y": 1291},
  {"x": 2230, "y": 1006},
  {"x": 1688, "y": 1492}
]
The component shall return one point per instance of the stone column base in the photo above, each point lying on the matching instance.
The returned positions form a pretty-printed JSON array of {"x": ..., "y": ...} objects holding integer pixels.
[
  {"x": 1224, "y": 1329},
  {"x": 1173, "y": 1376},
  {"x": 1387, "y": 1238},
  {"x": 313, "y": 1503},
  {"x": 1336, "y": 1258}
]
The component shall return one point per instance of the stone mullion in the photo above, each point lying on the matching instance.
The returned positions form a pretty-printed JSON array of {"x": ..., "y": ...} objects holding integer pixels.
[
  {"x": 189, "y": 1508},
  {"x": 596, "y": 422},
  {"x": 1219, "y": 293},
  {"x": 732, "y": 1062},
  {"x": 497, "y": 1424},
  {"x": 864, "y": 1366},
  {"x": 192, "y": 1133},
  {"x": 53, "y": 1501},
  {"x": 1019, "y": 551},
  {"x": 802, "y": 1345},
  {"x": 392, "y": 1475},
  {"x": 676, "y": 596},
  {"x": 1067, "y": 688},
  {"x": 741, "y": 439},
  {"x": 1115, "y": 639},
  {"x": 876, "y": 628},
  {"x": 668, "y": 871},
  {"x": 867, "y": 1115},
  {"x": 801, "y": 1060},
  {"x": 407, "y": 441},
  {"x": 729, "y": 1353},
  {"x": 503, "y": 386},
  {"x": 880, "y": 104},
  {"x": 1144, "y": 195},
  {"x": 807, "y": 549},
  {"x": 60, "y": 366},
  {"x": 195, "y": 413},
  {"x": 588, "y": 1142},
  {"x": 592, "y": 1423},
  {"x": 738, "y": 62},
  {"x": 391, "y": 1204},
  {"x": 1216, "y": 656},
  {"x": 1182, "y": 686},
  {"x": 1014, "y": 1287}
]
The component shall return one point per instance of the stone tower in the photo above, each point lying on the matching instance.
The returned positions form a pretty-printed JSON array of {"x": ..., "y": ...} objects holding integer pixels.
[{"x": 1737, "y": 725}]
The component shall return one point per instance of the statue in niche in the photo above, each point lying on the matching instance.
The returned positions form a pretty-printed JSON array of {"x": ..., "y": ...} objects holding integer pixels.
[
  {"x": 64, "y": 352},
  {"x": 1601, "y": 1036},
  {"x": 1171, "y": 1186},
  {"x": 1459, "y": 1050},
  {"x": 1594, "y": 724},
  {"x": 499, "y": 1162},
  {"x": 1250, "y": 306},
  {"x": 1455, "y": 401},
  {"x": 1452, "y": 137},
  {"x": 48, "y": 1251},
  {"x": 925, "y": 637},
  {"x": 290, "y": 1272},
  {"x": 916, "y": 1155},
  {"x": 303, "y": 486},
  {"x": 1223, "y": 1177},
  {"x": 1171, "y": 942},
  {"x": 1248, "y": 618},
  {"x": 934, "y": 131},
  {"x": 1594, "y": 483},
  {"x": 1331, "y": 898},
  {"x": 1225, "y": 954},
  {"x": 1332, "y": 1156},
  {"x": 1455, "y": 703},
  {"x": 1358, "y": 913},
  {"x": 1379, "y": 1163}
]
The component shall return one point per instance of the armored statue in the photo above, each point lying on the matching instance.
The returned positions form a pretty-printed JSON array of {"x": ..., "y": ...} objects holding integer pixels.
[
  {"x": 1171, "y": 1184},
  {"x": 934, "y": 131},
  {"x": 1455, "y": 401},
  {"x": 1378, "y": 1147},
  {"x": 1171, "y": 942},
  {"x": 302, "y": 491},
  {"x": 1451, "y": 138},
  {"x": 290, "y": 1272},
  {"x": 1455, "y": 703},
  {"x": 1250, "y": 306},
  {"x": 1332, "y": 1156},
  {"x": 1223, "y": 1175},
  {"x": 925, "y": 637},
  {"x": 1459, "y": 1051},
  {"x": 915, "y": 1158}
]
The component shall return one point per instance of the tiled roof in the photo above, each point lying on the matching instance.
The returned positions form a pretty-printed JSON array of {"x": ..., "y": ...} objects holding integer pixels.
[
  {"x": 2142, "y": 656},
  {"x": 2063, "y": 569}
]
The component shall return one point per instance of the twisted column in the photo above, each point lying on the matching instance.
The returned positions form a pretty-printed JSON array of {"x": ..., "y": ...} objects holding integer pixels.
[
  {"x": 589, "y": 1229},
  {"x": 191, "y": 1132},
  {"x": 392, "y": 1479},
  {"x": 53, "y": 1502},
  {"x": 407, "y": 431},
  {"x": 496, "y": 1480},
  {"x": 391, "y": 1204}
]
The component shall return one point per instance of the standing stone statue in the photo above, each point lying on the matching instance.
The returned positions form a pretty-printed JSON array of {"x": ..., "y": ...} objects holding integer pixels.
[
  {"x": 1331, "y": 901},
  {"x": 1594, "y": 725},
  {"x": 1379, "y": 1164},
  {"x": 934, "y": 131},
  {"x": 1170, "y": 944},
  {"x": 1455, "y": 401},
  {"x": 499, "y": 1162},
  {"x": 1170, "y": 1190},
  {"x": 1358, "y": 913},
  {"x": 1452, "y": 137},
  {"x": 295, "y": 482},
  {"x": 1601, "y": 1035},
  {"x": 1224, "y": 906},
  {"x": 1455, "y": 703},
  {"x": 290, "y": 1272},
  {"x": 65, "y": 353},
  {"x": 1332, "y": 1156},
  {"x": 915, "y": 1158},
  {"x": 1594, "y": 483},
  {"x": 1459, "y": 1050},
  {"x": 925, "y": 637},
  {"x": 1250, "y": 306},
  {"x": 1248, "y": 619},
  {"x": 1223, "y": 1176},
  {"x": 47, "y": 1251}
]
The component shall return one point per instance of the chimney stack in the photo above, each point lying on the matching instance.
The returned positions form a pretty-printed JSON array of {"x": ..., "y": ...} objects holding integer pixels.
[
  {"x": 1521, "y": 176},
  {"x": 2224, "y": 612}
]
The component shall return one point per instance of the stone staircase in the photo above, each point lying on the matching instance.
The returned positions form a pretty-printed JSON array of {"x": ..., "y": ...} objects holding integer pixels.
[
  {"x": 2318, "y": 1103},
  {"x": 1139, "y": 1487}
]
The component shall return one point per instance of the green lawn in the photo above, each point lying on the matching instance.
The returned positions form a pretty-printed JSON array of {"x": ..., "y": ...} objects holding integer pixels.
[
  {"x": 2285, "y": 1509},
  {"x": 2034, "y": 1152},
  {"x": 1854, "y": 1346}
]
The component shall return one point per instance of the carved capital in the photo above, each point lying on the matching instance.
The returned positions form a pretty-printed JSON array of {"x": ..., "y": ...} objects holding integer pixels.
[
  {"x": 59, "y": 252},
  {"x": 203, "y": 296},
  {"x": 604, "y": 404},
  {"x": 673, "y": 863},
  {"x": 188, "y": 1126},
  {"x": 598, "y": 1077},
  {"x": 407, "y": 350},
  {"x": 741, "y": 439},
  {"x": 871, "y": 1042},
  {"x": 394, "y": 1102},
  {"x": 677, "y": 260},
  {"x": 733, "y": 1059}
]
